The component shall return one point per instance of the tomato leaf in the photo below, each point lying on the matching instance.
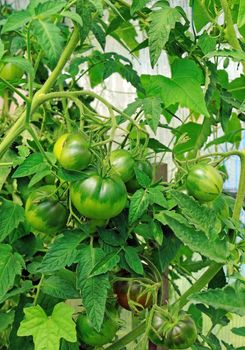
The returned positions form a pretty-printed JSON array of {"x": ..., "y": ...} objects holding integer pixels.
[
  {"x": 152, "y": 108},
  {"x": 35, "y": 163},
  {"x": 137, "y": 5},
  {"x": 138, "y": 205},
  {"x": 157, "y": 197},
  {"x": 162, "y": 21},
  {"x": 16, "y": 20},
  {"x": 133, "y": 260},
  {"x": 60, "y": 287},
  {"x": 59, "y": 325},
  {"x": 1, "y": 49},
  {"x": 84, "y": 9},
  {"x": 143, "y": 179},
  {"x": 11, "y": 215},
  {"x": 184, "y": 87},
  {"x": 106, "y": 264},
  {"x": 239, "y": 331},
  {"x": 94, "y": 298},
  {"x": 10, "y": 265},
  {"x": 63, "y": 252},
  {"x": 197, "y": 241},
  {"x": 230, "y": 298},
  {"x": 49, "y": 8},
  {"x": 200, "y": 216},
  {"x": 49, "y": 37}
]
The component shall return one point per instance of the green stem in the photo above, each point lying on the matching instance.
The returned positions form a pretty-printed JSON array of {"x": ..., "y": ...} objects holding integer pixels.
[
  {"x": 38, "y": 290},
  {"x": 5, "y": 110},
  {"x": 13, "y": 88},
  {"x": 128, "y": 338},
  {"x": 230, "y": 30}
]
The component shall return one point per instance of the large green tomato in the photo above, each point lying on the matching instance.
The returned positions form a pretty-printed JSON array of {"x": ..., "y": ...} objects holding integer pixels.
[
  {"x": 204, "y": 182},
  {"x": 122, "y": 164},
  {"x": 72, "y": 151},
  {"x": 144, "y": 166},
  {"x": 98, "y": 197},
  {"x": 180, "y": 335},
  {"x": 10, "y": 71},
  {"x": 88, "y": 335},
  {"x": 44, "y": 212}
]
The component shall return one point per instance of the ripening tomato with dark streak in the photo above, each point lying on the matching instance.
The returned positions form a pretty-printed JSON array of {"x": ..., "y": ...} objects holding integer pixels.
[
  {"x": 44, "y": 211},
  {"x": 99, "y": 197},
  {"x": 72, "y": 151}
]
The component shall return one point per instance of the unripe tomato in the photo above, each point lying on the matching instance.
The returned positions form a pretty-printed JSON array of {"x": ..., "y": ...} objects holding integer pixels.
[
  {"x": 180, "y": 335},
  {"x": 144, "y": 166},
  {"x": 88, "y": 335},
  {"x": 44, "y": 212},
  {"x": 10, "y": 71},
  {"x": 134, "y": 291},
  {"x": 98, "y": 197},
  {"x": 72, "y": 151},
  {"x": 204, "y": 182},
  {"x": 122, "y": 164}
]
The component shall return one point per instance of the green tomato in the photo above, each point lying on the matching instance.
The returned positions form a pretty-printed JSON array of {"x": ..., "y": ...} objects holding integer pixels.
[
  {"x": 144, "y": 166},
  {"x": 10, "y": 71},
  {"x": 180, "y": 335},
  {"x": 88, "y": 335},
  {"x": 204, "y": 182},
  {"x": 72, "y": 151},
  {"x": 122, "y": 164},
  {"x": 44, "y": 212},
  {"x": 98, "y": 197}
]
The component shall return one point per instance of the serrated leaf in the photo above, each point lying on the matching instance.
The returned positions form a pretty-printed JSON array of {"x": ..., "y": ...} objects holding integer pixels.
[
  {"x": 60, "y": 287},
  {"x": 152, "y": 108},
  {"x": 143, "y": 179},
  {"x": 10, "y": 265},
  {"x": 99, "y": 34},
  {"x": 137, "y": 5},
  {"x": 59, "y": 325},
  {"x": 26, "y": 286},
  {"x": 35, "y": 163},
  {"x": 49, "y": 8},
  {"x": 39, "y": 176},
  {"x": 133, "y": 260},
  {"x": 62, "y": 252},
  {"x": 156, "y": 232},
  {"x": 230, "y": 298},
  {"x": 11, "y": 214},
  {"x": 85, "y": 9},
  {"x": 202, "y": 217},
  {"x": 49, "y": 37},
  {"x": 157, "y": 146},
  {"x": 235, "y": 54},
  {"x": 197, "y": 241},
  {"x": 138, "y": 205},
  {"x": 161, "y": 23},
  {"x": 94, "y": 298},
  {"x": 16, "y": 20},
  {"x": 106, "y": 264},
  {"x": 156, "y": 196},
  {"x": 184, "y": 87},
  {"x": 73, "y": 16}
]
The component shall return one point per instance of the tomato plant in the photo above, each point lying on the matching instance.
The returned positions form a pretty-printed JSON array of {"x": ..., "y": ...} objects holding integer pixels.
[{"x": 120, "y": 122}]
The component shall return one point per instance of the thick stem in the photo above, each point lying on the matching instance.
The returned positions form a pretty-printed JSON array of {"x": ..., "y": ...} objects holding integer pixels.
[
  {"x": 128, "y": 338},
  {"x": 230, "y": 30}
]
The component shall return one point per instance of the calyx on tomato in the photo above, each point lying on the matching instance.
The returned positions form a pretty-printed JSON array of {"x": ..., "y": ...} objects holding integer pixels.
[
  {"x": 132, "y": 295},
  {"x": 122, "y": 164},
  {"x": 88, "y": 335},
  {"x": 204, "y": 182},
  {"x": 177, "y": 333},
  {"x": 99, "y": 197},
  {"x": 44, "y": 211},
  {"x": 144, "y": 166},
  {"x": 72, "y": 151}
]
